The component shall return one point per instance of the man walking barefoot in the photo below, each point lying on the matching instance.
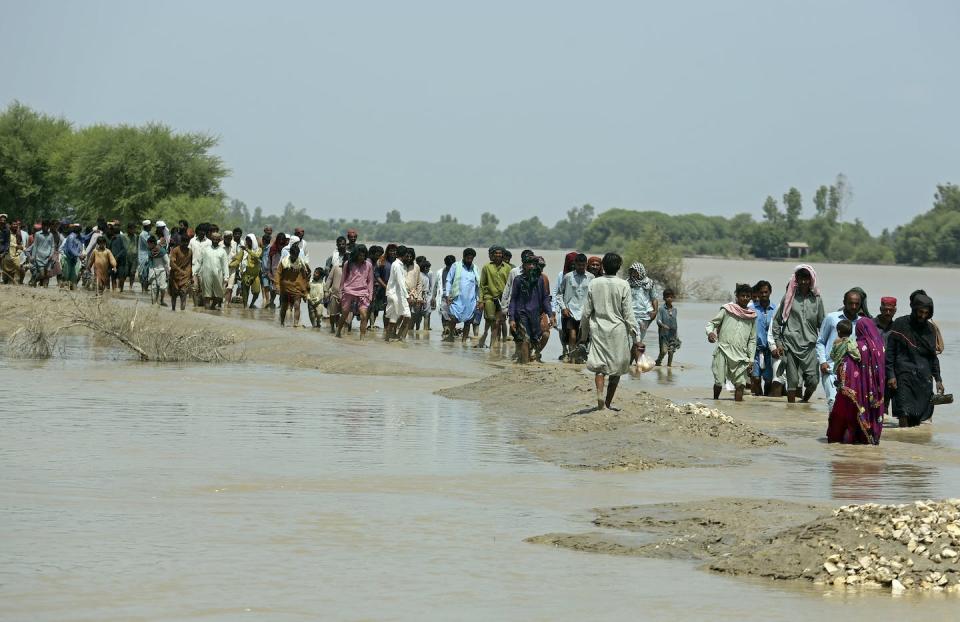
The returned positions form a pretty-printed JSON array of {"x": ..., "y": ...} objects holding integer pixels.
[{"x": 608, "y": 312}]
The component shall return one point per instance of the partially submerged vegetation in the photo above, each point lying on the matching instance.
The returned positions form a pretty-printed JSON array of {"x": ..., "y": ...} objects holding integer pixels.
[
  {"x": 142, "y": 331},
  {"x": 36, "y": 338}
]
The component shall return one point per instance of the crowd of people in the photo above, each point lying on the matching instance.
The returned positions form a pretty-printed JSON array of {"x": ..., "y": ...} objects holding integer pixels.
[{"x": 865, "y": 364}]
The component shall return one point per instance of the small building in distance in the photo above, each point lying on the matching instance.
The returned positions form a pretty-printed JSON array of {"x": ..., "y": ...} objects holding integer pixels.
[{"x": 797, "y": 250}]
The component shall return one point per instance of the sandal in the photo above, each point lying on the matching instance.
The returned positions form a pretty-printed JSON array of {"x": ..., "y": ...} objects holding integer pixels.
[{"x": 940, "y": 400}]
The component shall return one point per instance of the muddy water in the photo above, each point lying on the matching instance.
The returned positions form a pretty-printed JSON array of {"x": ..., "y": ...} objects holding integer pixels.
[{"x": 127, "y": 496}]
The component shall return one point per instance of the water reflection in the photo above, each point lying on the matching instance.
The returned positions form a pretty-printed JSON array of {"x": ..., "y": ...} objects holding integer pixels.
[{"x": 879, "y": 481}]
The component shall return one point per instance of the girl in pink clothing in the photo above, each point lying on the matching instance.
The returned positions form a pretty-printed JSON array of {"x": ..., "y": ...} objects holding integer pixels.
[{"x": 356, "y": 290}]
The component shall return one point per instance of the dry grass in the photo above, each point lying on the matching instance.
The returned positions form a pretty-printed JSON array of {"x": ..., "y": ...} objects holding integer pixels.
[
  {"x": 151, "y": 338},
  {"x": 144, "y": 331},
  {"x": 36, "y": 339}
]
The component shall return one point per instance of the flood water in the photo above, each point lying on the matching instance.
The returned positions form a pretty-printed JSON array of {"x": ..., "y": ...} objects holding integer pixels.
[{"x": 142, "y": 492}]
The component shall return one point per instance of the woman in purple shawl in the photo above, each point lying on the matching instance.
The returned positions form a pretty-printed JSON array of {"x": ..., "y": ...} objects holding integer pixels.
[{"x": 857, "y": 414}]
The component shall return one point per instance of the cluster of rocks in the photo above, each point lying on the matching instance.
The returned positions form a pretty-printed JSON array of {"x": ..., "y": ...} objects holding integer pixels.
[
  {"x": 701, "y": 410},
  {"x": 902, "y": 547}
]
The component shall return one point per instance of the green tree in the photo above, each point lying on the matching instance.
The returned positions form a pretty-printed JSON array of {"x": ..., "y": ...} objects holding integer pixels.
[
  {"x": 393, "y": 217},
  {"x": 238, "y": 216},
  {"x": 29, "y": 187},
  {"x": 192, "y": 209},
  {"x": 530, "y": 232},
  {"x": 820, "y": 200},
  {"x": 662, "y": 259},
  {"x": 567, "y": 233},
  {"x": 125, "y": 171},
  {"x": 793, "y": 206},
  {"x": 772, "y": 213},
  {"x": 769, "y": 240},
  {"x": 933, "y": 236},
  {"x": 487, "y": 233}
]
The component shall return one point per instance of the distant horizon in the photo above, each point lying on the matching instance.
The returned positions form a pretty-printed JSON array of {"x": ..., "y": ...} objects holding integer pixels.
[
  {"x": 757, "y": 217},
  {"x": 518, "y": 109}
]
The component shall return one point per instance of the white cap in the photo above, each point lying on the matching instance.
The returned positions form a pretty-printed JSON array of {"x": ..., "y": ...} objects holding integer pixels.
[
  {"x": 160, "y": 223},
  {"x": 146, "y": 223}
]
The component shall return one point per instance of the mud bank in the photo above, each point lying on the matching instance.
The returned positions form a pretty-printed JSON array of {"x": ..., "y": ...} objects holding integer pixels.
[
  {"x": 894, "y": 547},
  {"x": 254, "y": 334},
  {"x": 561, "y": 426}
]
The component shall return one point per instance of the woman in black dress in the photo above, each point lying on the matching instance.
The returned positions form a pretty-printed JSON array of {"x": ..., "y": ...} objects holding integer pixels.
[{"x": 912, "y": 363}]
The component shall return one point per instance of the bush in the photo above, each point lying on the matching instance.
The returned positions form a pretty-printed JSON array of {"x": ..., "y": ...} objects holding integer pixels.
[
  {"x": 873, "y": 253},
  {"x": 661, "y": 258}
]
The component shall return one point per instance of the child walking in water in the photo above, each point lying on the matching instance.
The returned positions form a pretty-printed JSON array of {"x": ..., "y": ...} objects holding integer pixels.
[
  {"x": 734, "y": 330},
  {"x": 667, "y": 325},
  {"x": 315, "y": 297}
]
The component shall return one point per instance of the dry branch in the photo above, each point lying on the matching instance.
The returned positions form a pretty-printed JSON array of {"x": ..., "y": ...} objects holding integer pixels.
[{"x": 151, "y": 338}]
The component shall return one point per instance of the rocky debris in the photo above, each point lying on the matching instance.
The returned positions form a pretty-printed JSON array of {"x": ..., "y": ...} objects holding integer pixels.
[
  {"x": 701, "y": 410},
  {"x": 895, "y": 548},
  {"x": 902, "y": 547}
]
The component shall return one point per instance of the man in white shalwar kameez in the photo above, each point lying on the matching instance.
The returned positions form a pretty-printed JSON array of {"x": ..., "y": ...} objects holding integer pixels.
[
  {"x": 214, "y": 271},
  {"x": 614, "y": 333},
  {"x": 398, "y": 296}
]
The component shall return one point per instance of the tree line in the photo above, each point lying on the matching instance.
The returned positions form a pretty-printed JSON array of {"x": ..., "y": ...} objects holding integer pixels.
[{"x": 51, "y": 169}]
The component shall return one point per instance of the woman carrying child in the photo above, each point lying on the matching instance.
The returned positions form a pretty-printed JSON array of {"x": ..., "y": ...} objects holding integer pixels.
[{"x": 857, "y": 413}]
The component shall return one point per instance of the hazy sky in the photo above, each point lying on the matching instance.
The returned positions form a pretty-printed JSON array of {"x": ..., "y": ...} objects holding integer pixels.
[{"x": 518, "y": 108}]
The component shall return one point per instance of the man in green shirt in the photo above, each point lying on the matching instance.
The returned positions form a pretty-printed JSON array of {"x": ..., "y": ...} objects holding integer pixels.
[
  {"x": 796, "y": 327},
  {"x": 493, "y": 278}
]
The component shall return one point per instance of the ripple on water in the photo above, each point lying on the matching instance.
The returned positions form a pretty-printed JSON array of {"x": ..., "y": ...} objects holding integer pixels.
[{"x": 140, "y": 491}]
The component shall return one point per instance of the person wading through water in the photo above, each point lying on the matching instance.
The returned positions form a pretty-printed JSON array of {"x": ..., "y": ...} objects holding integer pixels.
[
  {"x": 796, "y": 327},
  {"x": 912, "y": 365}
]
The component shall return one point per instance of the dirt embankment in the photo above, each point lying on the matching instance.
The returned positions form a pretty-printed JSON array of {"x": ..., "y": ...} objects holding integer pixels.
[
  {"x": 896, "y": 547},
  {"x": 254, "y": 335},
  {"x": 561, "y": 426}
]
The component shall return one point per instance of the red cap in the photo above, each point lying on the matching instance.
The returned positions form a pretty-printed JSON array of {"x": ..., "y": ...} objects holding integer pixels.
[{"x": 888, "y": 300}]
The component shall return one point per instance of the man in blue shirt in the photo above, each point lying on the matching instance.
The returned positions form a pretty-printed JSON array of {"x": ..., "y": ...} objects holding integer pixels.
[
  {"x": 763, "y": 361},
  {"x": 72, "y": 249},
  {"x": 143, "y": 255},
  {"x": 828, "y": 333}
]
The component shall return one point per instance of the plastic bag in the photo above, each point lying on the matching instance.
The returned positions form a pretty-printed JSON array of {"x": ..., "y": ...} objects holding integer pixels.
[{"x": 645, "y": 363}]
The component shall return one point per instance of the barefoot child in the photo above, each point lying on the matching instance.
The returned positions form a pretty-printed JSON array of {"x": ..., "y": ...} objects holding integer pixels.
[
  {"x": 667, "y": 325},
  {"x": 104, "y": 264},
  {"x": 315, "y": 297},
  {"x": 734, "y": 330},
  {"x": 155, "y": 268},
  {"x": 181, "y": 272},
  {"x": 293, "y": 283}
]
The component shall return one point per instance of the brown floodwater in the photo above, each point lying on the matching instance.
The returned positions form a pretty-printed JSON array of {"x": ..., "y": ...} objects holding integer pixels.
[{"x": 143, "y": 492}]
